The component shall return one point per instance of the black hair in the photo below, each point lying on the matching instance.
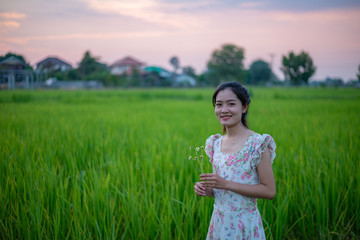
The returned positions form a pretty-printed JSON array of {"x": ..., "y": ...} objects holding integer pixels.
[{"x": 240, "y": 91}]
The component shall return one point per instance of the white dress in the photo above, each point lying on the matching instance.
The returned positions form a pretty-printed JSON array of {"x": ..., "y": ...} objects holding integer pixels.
[{"x": 236, "y": 216}]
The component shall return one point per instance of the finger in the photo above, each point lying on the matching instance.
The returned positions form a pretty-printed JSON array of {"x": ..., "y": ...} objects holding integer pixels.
[
  {"x": 207, "y": 178},
  {"x": 199, "y": 186},
  {"x": 209, "y": 183},
  {"x": 200, "y": 192},
  {"x": 206, "y": 175}
]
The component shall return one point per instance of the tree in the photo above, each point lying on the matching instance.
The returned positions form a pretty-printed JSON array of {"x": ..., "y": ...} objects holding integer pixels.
[
  {"x": 298, "y": 68},
  {"x": 135, "y": 77},
  {"x": 175, "y": 62},
  {"x": 358, "y": 74},
  {"x": 226, "y": 64},
  {"x": 259, "y": 72},
  {"x": 89, "y": 66},
  {"x": 190, "y": 71}
]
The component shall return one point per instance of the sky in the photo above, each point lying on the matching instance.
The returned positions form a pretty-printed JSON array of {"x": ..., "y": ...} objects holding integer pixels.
[{"x": 153, "y": 31}]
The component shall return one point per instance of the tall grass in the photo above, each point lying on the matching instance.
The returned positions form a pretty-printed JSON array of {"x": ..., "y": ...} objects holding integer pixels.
[{"x": 114, "y": 164}]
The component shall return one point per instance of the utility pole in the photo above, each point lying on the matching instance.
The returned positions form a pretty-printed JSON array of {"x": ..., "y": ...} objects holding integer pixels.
[{"x": 272, "y": 56}]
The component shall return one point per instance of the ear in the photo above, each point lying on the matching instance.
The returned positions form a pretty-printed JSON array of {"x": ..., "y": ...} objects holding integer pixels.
[{"x": 245, "y": 108}]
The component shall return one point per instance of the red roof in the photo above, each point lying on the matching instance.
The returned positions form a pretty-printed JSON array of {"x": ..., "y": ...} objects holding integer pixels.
[{"x": 127, "y": 61}]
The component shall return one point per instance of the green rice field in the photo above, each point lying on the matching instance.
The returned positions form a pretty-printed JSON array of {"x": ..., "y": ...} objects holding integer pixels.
[{"x": 113, "y": 164}]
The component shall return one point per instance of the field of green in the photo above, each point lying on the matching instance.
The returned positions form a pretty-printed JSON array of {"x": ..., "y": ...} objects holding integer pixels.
[{"x": 113, "y": 164}]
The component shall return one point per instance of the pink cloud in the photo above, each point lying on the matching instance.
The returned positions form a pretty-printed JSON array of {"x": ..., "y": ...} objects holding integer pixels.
[
  {"x": 12, "y": 15},
  {"x": 9, "y": 24}
]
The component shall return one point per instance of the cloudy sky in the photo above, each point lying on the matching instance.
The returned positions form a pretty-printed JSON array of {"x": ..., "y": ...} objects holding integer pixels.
[{"x": 155, "y": 30}]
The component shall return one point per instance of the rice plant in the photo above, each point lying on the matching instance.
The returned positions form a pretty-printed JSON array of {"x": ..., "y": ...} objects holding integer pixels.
[{"x": 115, "y": 164}]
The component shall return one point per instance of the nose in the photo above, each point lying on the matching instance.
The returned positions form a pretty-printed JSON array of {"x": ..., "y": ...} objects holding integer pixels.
[{"x": 224, "y": 109}]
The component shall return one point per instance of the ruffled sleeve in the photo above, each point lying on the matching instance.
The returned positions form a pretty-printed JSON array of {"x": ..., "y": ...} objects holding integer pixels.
[
  {"x": 209, "y": 146},
  {"x": 264, "y": 142}
]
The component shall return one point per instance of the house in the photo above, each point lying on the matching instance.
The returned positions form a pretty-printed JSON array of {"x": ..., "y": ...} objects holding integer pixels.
[
  {"x": 158, "y": 70},
  {"x": 50, "y": 64},
  {"x": 166, "y": 78},
  {"x": 14, "y": 73},
  {"x": 126, "y": 66},
  {"x": 184, "y": 80},
  {"x": 155, "y": 76},
  {"x": 12, "y": 63}
]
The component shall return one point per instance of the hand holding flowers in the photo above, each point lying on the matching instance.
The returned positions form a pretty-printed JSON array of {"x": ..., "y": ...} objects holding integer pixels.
[
  {"x": 213, "y": 180},
  {"x": 203, "y": 191}
]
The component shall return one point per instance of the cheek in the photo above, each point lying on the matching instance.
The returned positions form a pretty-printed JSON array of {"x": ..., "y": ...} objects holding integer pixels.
[
  {"x": 217, "y": 114},
  {"x": 237, "y": 110}
]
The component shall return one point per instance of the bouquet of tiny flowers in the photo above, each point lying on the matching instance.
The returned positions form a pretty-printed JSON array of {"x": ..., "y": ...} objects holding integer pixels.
[{"x": 197, "y": 154}]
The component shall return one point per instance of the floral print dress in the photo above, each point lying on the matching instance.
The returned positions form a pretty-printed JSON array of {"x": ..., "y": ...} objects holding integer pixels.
[{"x": 236, "y": 216}]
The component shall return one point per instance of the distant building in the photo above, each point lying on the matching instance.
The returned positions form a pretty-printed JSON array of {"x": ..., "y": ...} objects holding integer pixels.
[
  {"x": 71, "y": 85},
  {"x": 183, "y": 80},
  {"x": 126, "y": 66},
  {"x": 50, "y": 64},
  {"x": 14, "y": 74},
  {"x": 163, "y": 73},
  {"x": 12, "y": 63},
  {"x": 166, "y": 78},
  {"x": 154, "y": 76}
]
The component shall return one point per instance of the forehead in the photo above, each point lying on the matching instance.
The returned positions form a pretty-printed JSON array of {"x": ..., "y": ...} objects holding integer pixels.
[{"x": 226, "y": 95}]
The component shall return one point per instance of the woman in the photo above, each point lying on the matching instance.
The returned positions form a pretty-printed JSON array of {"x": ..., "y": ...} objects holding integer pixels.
[{"x": 242, "y": 171}]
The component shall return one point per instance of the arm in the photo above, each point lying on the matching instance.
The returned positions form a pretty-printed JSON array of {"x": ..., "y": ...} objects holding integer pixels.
[
  {"x": 203, "y": 191},
  {"x": 265, "y": 189}
]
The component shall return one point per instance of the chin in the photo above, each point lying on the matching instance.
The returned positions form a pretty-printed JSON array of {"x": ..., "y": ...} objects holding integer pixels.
[{"x": 225, "y": 124}]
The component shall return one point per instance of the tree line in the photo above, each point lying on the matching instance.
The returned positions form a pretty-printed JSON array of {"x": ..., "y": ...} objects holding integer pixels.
[{"x": 225, "y": 64}]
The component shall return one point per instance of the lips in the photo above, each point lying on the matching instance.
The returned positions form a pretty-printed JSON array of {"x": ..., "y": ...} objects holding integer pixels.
[{"x": 225, "y": 117}]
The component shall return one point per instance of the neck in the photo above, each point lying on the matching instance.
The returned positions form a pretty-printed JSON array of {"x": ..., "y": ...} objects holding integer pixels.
[{"x": 235, "y": 131}]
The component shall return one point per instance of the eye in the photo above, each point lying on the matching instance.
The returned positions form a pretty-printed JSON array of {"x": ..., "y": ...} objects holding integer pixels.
[{"x": 218, "y": 104}]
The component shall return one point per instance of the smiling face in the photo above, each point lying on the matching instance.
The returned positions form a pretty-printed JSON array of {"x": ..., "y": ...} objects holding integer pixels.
[{"x": 228, "y": 108}]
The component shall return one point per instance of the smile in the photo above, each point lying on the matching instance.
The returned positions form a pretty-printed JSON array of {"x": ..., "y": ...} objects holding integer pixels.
[{"x": 225, "y": 117}]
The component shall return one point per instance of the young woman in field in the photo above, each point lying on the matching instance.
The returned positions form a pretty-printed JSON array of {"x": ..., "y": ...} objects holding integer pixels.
[{"x": 242, "y": 171}]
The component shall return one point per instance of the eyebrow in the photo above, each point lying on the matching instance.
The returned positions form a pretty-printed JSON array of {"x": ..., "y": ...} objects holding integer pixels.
[{"x": 230, "y": 100}]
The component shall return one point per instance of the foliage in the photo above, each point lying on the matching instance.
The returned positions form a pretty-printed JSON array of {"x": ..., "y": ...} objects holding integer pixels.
[
  {"x": 259, "y": 72},
  {"x": 89, "y": 66},
  {"x": 358, "y": 74},
  {"x": 69, "y": 75},
  {"x": 226, "y": 64},
  {"x": 190, "y": 71},
  {"x": 203, "y": 80},
  {"x": 298, "y": 68},
  {"x": 18, "y": 56},
  {"x": 154, "y": 79},
  {"x": 175, "y": 62},
  {"x": 136, "y": 77}
]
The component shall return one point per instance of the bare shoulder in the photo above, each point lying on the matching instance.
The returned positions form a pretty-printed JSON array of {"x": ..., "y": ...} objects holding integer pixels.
[{"x": 250, "y": 133}]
